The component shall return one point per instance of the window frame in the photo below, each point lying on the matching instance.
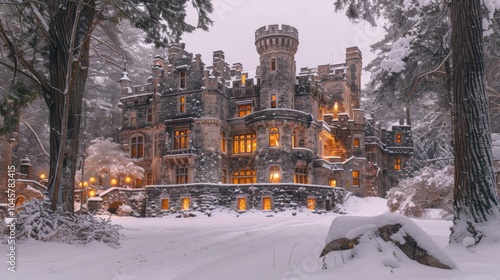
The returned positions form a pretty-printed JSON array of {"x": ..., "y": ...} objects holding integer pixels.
[
  {"x": 244, "y": 109},
  {"x": 398, "y": 164},
  {"x": 149, "y": 115},
  {"x": 274, "y": 101},
  {"x": 355, "y": 178},
  {"x": 246, "y": 141},
  {"x": 182, "y": 104},
  {"x": 273, "y": 65},
  {"x": 223, "y": 142},
  {"x": 357, "y": 143},
  {"x": 274, "y": 137},
  {"x": 398, "y": 138},
  {"x": 162, "y": 202},
  {"x": 132, "y": 117},
  {"x": 137, "y": 146},
  {"x": 182, "y": 79},
  {"x": 181, "y": 175},
  {"x": 180, "y": 139},
  {"x": 300, "y": 177},
  {"x": 273, "y": 171},
  {"x": 311, "y": 203},
  {"x": 249, "y": 176},
  {"x": 264, "y": 204},
  {"x": 332, "y": 183}
]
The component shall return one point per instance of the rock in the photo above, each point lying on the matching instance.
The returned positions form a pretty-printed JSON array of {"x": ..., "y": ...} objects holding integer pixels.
[{"x": 346, "y": 232}]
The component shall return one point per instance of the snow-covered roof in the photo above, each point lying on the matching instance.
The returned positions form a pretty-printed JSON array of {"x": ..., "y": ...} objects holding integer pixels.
[{"x": 124, "y": 77}]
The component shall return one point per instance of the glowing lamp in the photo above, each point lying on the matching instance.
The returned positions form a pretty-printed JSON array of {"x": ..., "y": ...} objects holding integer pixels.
[
  {"x": 42, "y": 176},
  {"x": 114, "y": 182},
  {"x": 92, "y": 180},
  {"x": 128, "y": 179},
  {"x": 85, "y": 184},
  {"x": 91, "y": 193}
]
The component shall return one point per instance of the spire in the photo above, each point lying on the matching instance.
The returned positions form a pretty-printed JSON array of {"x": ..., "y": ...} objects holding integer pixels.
[{"x": 125, "y": 73}]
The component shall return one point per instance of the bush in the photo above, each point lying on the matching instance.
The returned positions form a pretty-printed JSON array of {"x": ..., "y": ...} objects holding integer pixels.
[
  {"x": 37, "y": 221},
  {"x": 429, "y": 188}
]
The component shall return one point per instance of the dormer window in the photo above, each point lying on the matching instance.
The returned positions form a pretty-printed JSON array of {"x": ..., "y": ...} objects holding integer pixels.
[
  {"x": 273, "y": 64},
  {"x": 182, "y": 79}
]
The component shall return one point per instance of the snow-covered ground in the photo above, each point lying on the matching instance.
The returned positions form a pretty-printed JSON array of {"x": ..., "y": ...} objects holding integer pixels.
[{"x": 249, "y": 247}]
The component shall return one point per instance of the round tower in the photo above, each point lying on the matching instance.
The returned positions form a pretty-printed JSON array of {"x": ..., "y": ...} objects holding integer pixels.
[{"x": 277, "y": 47}]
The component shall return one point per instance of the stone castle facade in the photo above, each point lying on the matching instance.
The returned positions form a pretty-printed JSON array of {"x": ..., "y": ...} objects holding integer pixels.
[{"x": 224, "y": 126}]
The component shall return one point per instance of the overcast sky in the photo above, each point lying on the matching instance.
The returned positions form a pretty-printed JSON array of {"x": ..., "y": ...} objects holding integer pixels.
[{"x": 323, "y": 34}]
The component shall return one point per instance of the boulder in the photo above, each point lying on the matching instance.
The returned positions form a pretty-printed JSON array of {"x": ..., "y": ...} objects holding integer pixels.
[{"x": 346, "y": 232}]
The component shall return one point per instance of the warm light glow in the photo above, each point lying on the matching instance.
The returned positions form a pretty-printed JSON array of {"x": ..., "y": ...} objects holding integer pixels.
[
  {"x": 42, "y": 176},
  {"x": 335, "y": 106},
  {"x": 85, "y": 184},
  {"x": 311, "y": 204},
  {"x": 333, "y": 182},
  {"x": 164, "y": 204},
  {"x": 243, "y": 79},
  {"x": 80, "y": 185},
  {"x": 92, "y": 180},
  {"x": 242, "y": 204},
  {"x": 185, "y": 203},
  {"x": 266, "y": 204},
  {"x": 91, "y": 193},
  {"x": 276, "y": 175},
  {"x": 114, "y": 181},
  {"x": 128, "y": 179}
]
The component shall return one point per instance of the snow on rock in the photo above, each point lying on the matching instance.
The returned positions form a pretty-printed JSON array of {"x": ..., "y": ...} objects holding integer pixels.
[
  {"x": 468, "y": 241},
  {"x": 124, "y": 210},
  {"x": 392, "y": 228}
]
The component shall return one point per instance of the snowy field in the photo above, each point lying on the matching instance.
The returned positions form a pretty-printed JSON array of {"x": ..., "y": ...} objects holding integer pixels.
[{"x": 249, "y": 247}]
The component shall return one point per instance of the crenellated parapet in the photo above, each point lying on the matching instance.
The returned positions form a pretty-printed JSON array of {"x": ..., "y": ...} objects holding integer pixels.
[{"x": 275, "y": 38}]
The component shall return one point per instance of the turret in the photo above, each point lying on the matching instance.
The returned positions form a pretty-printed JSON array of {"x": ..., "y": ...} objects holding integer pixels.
[
  {"x": 125, "y": 81},
  {"x": 277, "y": 47},
  {"x": 354, "y": 62}
]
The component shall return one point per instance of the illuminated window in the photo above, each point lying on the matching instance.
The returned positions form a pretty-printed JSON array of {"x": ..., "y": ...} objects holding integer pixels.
[
  {"x": 137, "y": 147},
  {"x": 149, "y": 115},
  {"x": 267, "y": 203},
  {"x": 182, "y": 104},
  {"x": 397, "y": 164},
  {"x": 274, "y": 174},
  {"x": 300, "y": 175},
  {"x": 243, "y": 79},
  {"x": 181, "y": 139},
  {"x": 164, "y": 204},
  {"x": 186, "y": 203},
  {"x": 244, "y": 110},
  {"x": 273, "y": 101},
  {"x": 224, "y": 176},
  {"x": 273, "y": 64},
  {"x": 133, "y": 117},
  {"x": 356, "y": 142},
  {"x": 355, "y": 178},
  {"x": 333, "y": 182},
  {"x": 244, "y": 177},
  {"x": 242, "y": 204},
  {"x": 245, "y": 143},
  {"x": 311, "y": 203},
  {"x": 182, "y": 79},
  {"x": 399, "y": 138},
  {"x": 295, "y": 139},
  {"x": 223, "y": 142},
  {"x": 181, "y": 175},
  {"x": 274, "y": 136},
  {"x": 149, "y": 178}
]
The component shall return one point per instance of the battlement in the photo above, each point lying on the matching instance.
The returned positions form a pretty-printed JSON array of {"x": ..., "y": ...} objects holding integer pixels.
[{"x": 273, "y": 30}]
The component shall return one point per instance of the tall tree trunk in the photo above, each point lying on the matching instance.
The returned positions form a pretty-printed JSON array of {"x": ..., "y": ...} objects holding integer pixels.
[
  {"x": 476, "y": 200},
  {"x": 65, "y": 115}
]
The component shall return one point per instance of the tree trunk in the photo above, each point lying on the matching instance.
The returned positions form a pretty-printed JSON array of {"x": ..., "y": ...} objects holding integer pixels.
[
  {"x": 476, "y": 200},
  {"x": 65, "y": 117}
]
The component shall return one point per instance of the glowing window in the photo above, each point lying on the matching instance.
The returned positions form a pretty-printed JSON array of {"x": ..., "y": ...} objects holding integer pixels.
[
  {"x": 243, "y": 79},
  {"x": 181, "y": 175},
  {"x": 164, "y": 204},
  {"x": 181, "y": 139},
  {"x": 244, "y": 177},
  {"x": 311, "y": 203},
  {"x": 137, "y": 147},
  {"x": 182, "y": 104},
  {"x": 399, "y": 138},
  {"x": 300, "y": 175},
  {"x": 273, "y": 64},
  {"x": 244, "y": 110},
  {"x": 245, "y": 143},
  {"x": 295, "y": 138},
  {"x": 274, "y": 174},
  {"x": 242, "y": 204},
  {"x": 266, "y": 203},
  {"x": 273, "y": 101},
  {"x": 182, "y": 79},
  {"x": 274, "y": 136},
  {"x": 356, "y": 142},
  {"x": 223, "y": 142},
  {"x": 355, "y": 178},
  {"x": 186, "y": 203},
  {"x": 397, "y": 164},
  {"x": 149, "y": 115},
  {"x": 333, "y": 182}
]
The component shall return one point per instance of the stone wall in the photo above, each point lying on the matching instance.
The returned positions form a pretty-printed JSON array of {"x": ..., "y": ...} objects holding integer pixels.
[
  {"x": 135, "y": 198},
  {"x": 206, "y": 197}
]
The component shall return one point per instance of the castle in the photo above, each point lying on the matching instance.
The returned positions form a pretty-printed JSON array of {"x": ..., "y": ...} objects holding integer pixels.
[{"x": 232, "y": 130}]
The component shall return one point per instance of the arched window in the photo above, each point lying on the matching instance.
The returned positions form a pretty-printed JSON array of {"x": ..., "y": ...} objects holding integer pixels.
[
  {"x": 246, "y": 176},
  {"x": 274, "y": 174},
  {"x": 137, "y": 147},
  {"x": 274, "y": 136}
]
